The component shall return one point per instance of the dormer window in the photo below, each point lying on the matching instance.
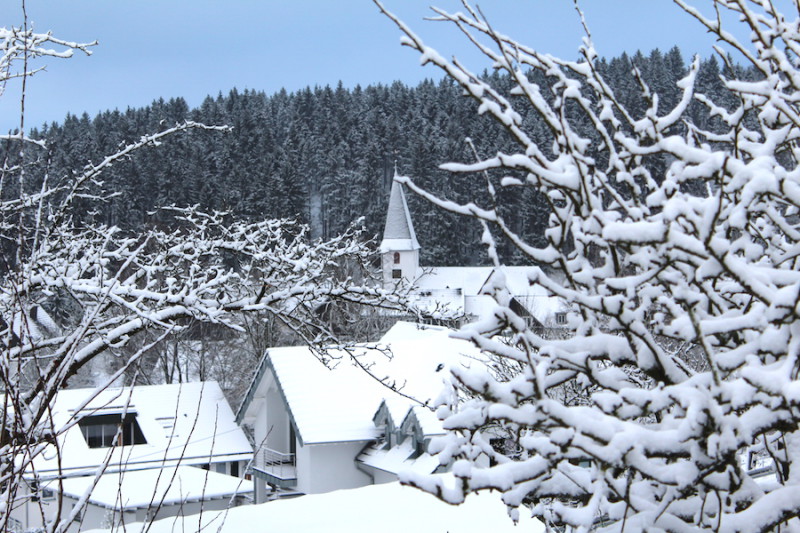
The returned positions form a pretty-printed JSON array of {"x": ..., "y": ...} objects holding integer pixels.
[
  {"x": 105, "y": 431},
  {"x": 561, "y": 318},
  {"x": 397, "y": 258}
]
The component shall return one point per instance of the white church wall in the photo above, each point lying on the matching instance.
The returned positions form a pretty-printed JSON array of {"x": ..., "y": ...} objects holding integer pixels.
[{"x": 406, "y": 261}]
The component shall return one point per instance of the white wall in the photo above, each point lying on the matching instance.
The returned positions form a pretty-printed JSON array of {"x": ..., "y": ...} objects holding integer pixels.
[
  {"x": 27, "y": 513},
  {"x": 328, "y": 467},
  {"x": 277, "y": 423},
  {"x": 409, "y": 262}
]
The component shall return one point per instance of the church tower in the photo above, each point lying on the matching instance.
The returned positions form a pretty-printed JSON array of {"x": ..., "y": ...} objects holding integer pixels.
[{"x": 399, "y": 248}]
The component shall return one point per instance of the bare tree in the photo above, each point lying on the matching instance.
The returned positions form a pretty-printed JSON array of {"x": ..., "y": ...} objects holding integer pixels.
[
  {"x": 112, "y": 286},
  {"x": 686, "y": 281}
]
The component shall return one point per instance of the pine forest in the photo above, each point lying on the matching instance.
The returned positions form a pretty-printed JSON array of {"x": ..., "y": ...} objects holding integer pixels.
[{"x": 325, "y": 156}]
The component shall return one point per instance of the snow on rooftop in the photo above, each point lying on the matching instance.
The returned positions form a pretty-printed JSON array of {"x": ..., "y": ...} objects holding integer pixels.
[
  {"x": 422, "y": 357},
  {"x": 388, "y": 508},
  {"x": 188, "y": 423},
  {"x": 327, "y": 404},
  {"x": 468, "y": 279},
  {"x": 398, "y": 459},
  {"x": 338, "y": 404},
  {"x": 154, "y": 486},
  {"x": 459, "y": 289},
  {"x": 428, "y": 422}
]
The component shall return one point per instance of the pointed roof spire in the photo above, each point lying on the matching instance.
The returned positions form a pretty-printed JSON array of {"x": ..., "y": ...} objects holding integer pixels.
[{"x": 398, "y": 234}]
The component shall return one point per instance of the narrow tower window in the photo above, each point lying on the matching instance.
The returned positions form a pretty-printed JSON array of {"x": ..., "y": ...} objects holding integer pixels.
[{"x": 397, "y": 258}]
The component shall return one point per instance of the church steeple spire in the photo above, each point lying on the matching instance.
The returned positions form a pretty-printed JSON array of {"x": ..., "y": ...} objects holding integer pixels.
[
  {"x": 399, "y": 226},
  {"x": 399, "y": 248}
]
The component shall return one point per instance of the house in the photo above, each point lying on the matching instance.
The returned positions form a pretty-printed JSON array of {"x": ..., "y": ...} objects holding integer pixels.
[
  {"x": 117, "y": 499},
  {"x": 118, "y": 447},
  {"x": 319, "y": 428},
  {"x": 758, "y": 462},
  {"x": 459, "y": 290}
]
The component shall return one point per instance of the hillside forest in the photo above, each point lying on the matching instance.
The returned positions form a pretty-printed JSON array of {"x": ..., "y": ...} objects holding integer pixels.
[{"x": 325, "y": 156}]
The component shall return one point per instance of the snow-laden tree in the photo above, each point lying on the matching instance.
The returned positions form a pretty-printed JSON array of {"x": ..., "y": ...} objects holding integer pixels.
[
  {"x": 71, "y": 292},
  {"x": 685, "y": 284}
]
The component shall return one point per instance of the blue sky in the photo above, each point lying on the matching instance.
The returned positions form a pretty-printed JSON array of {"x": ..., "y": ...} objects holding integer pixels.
[{"x": 191, "y": 48}]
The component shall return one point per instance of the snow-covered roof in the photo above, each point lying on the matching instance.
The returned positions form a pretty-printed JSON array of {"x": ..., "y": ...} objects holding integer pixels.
[
  {"x": 34, "y": 325},
  {"x": 461, "y": 288},
  {"x": 389, "y": 508},
  {"x": 154, "y": 486},
  {"x": 326, "y": 404},
  {"x": 429, "y": 424},
  {"x": 398, "y": 233},
  {"x": 421, "y": 358},
  {"x": 188, "y": 423},
  {"x": 338, "y": 404},
  {"x": 541, "y": 305},
  {"x": 468, "y": 279},
  {"x": 398, "y": 459}
]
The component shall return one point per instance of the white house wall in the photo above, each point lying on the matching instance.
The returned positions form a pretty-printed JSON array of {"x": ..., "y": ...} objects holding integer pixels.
[
  {"x": 30, "y": 515},
  {"x": 328, "y": 467},
  {"x": 275, "y": 433},
  {"x": 259, "y": 421},
  {"x": 27, "y": 514}
]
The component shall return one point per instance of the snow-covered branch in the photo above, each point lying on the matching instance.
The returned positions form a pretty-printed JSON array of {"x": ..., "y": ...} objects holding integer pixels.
[
  {"x": 677, "y": 243},
  {"x": 71, "y": 292}
]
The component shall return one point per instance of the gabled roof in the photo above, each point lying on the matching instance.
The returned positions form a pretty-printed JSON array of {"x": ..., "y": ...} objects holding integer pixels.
[
  {"x": 398, "y": 413},
  {"x": 398, "y": 233},
  {"x": 153, "y": 487},
  {"x": 183, "y": 424},
  {"x": 422, "y": 420},
  {"x": 338, "y": 404},
  {"x": 326, "y": 404}
]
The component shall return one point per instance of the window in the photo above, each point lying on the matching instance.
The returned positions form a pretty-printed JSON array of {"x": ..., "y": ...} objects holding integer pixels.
[
  {"x": 397, "y": 273},
  {"x": 397, "y": 258},
  {"x": 561, "y": 318},
  {"x": 104, "y": 431}
]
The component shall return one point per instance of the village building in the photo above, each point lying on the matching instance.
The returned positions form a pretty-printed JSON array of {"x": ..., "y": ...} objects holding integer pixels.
[
  {"x": 460, "y": 290},
  {"x": 319, "y": 428},
  {"x": 134, "y": 453}
]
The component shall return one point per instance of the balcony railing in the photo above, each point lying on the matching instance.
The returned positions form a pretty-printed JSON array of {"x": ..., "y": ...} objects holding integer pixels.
[{"x": 277, "y": 464}]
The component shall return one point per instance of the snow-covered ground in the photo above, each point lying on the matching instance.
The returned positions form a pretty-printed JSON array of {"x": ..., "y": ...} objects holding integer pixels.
[{"x": 389, "y": 508}]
